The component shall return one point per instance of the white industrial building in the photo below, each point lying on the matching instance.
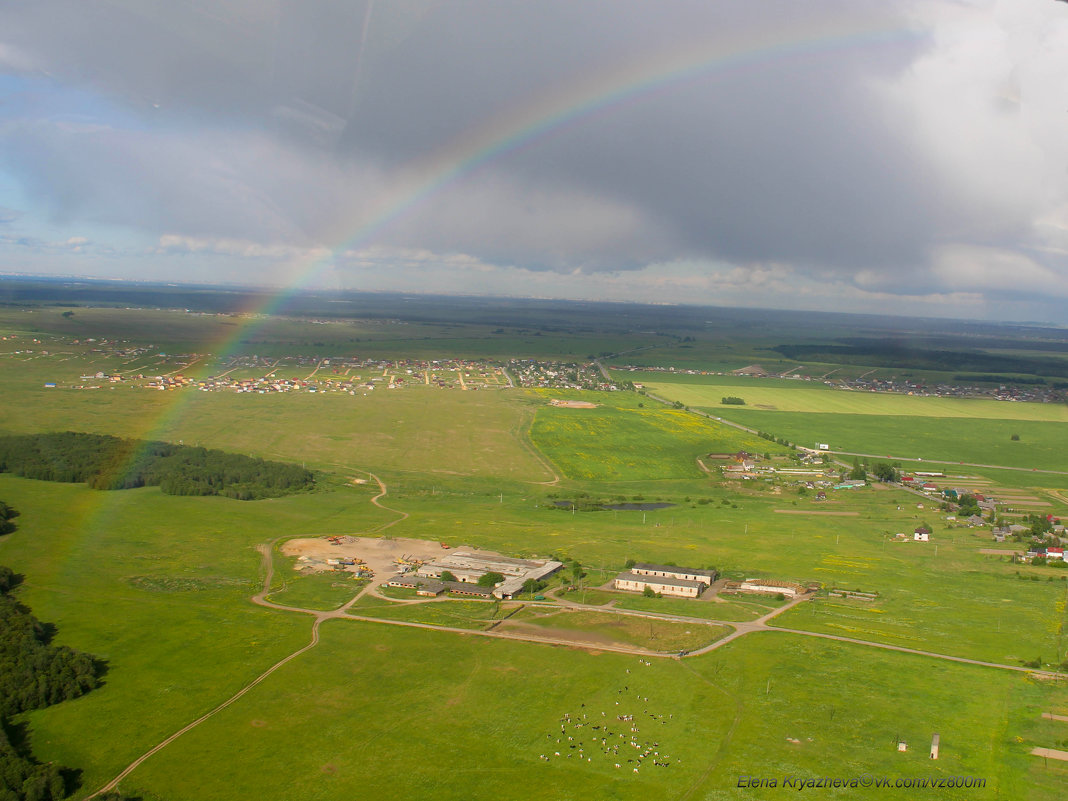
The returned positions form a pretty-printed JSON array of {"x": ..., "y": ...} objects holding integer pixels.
[{"x": 470, "y": 567}]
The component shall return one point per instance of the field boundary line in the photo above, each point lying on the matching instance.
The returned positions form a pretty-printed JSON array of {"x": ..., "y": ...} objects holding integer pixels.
[{"x": 527, "y": 442}]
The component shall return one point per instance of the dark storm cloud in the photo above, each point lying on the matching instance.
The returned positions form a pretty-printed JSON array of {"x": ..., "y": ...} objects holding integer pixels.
[{"x": 284, "y": 120}]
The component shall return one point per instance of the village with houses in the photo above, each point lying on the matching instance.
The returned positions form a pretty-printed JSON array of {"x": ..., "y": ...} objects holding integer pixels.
[{"x": 1008, "y": 391}]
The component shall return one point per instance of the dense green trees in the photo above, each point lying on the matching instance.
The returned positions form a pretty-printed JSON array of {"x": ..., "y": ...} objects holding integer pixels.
[
  {"x": 491, "y": 579},
  {"x": 105, "y": 462},
  {"x": 885, "y": 471},
  {"x": 22, "y": 778},
  {"x": 967, "y": 505},
  {"x": 33, "y": 674},
  {"x": 7, "y": 514}
]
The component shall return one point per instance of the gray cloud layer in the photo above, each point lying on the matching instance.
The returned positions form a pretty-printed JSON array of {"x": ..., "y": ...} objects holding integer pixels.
[{"x": 897, "y": 146}]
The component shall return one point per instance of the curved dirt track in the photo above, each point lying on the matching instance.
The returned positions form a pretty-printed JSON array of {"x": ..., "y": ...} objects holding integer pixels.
[{"x": 739, "y": 629}]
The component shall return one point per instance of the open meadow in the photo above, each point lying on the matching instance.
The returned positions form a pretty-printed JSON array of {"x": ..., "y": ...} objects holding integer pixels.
[
  {"x": 159, "y": 586},
  {"x": 375, "y": 711},
  {"x": 947, "y": 430},
  {"x": 817, "y": 398},
  {"x": 627, "y": 440}
]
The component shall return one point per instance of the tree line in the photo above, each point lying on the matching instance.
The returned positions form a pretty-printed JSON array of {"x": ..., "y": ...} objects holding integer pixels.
[
  {"x": 33, "y": 674},
  {"x": 110, "y": 463},
  {"x": 7, "y": 514}
]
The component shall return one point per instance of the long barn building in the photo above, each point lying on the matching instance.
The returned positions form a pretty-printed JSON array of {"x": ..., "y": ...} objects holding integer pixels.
[{"x": 685, "y": 582}]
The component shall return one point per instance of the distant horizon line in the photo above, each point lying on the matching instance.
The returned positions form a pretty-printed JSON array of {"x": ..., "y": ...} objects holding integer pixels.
[{"x": 270, "y": 288}]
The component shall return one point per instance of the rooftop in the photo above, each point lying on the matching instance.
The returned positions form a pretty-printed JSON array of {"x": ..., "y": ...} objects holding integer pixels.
[
  {"x": 693, "y": 571},
  {"x": 663, "y": 580}
]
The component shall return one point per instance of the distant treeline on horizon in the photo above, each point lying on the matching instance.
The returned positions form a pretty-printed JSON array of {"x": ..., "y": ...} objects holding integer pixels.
[
  {"x": 988, "y": 366},
  {"x": 110, "y": 463}
]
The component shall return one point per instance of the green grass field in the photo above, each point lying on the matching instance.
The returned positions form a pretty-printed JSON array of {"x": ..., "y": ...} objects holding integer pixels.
[
  {"x": 308, "y": 731},
  {"x": 420, "y": 429},
  {"x": 323, "y": 591},
  {"x": 721, "y": 609},
  {"x": 1041, "y": 443},
  {"x": 620, "y": 441},
  {"x": 933, "y": 429},
  {"x": 656, "y": 635},
  {"x": 451, "y": 613},
  {"x": 159, "y": 586},
  {"x": 798, "y": 396}
]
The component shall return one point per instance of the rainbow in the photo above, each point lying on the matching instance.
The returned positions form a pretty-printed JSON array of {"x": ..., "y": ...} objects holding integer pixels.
[
  {"x": 553, "y": 111},
  {"x": 550, "y": 114}
]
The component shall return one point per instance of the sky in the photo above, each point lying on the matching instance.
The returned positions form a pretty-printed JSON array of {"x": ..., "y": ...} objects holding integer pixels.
[{"x": 839, "y": 155}]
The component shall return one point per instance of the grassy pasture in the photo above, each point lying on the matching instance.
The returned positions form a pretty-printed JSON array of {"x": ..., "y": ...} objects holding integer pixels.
[
  {"x": 451, "y": 613},
  {"x": 367, "y": 690},
  {"x": 947, "y": 620},
  {"x": 734, "y": 609},
  {"x": 1042, "y": 444},
  {"x": 928, "y": 598},
  {"x": 656, "y": 635},
  {"x": 313, "y": 590},
  {"x": 802, "y": 397},
  {"x": 158, "y": 586},
  {"x": 417, "y": 429},
  {"x": 619, "y": 441}
]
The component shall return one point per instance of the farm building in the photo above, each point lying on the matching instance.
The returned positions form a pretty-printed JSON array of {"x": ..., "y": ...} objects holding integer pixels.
[
  {"x": 468, "y": 568},
  {"x": 635, "y": 582},
  {"x": 676, "y": 572},
  {"x": 422, "y": 586},
  {"x": 471, "y": 590},
  {"x": 921, "y": 534},
  {"x": 769, "y": 586}
]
